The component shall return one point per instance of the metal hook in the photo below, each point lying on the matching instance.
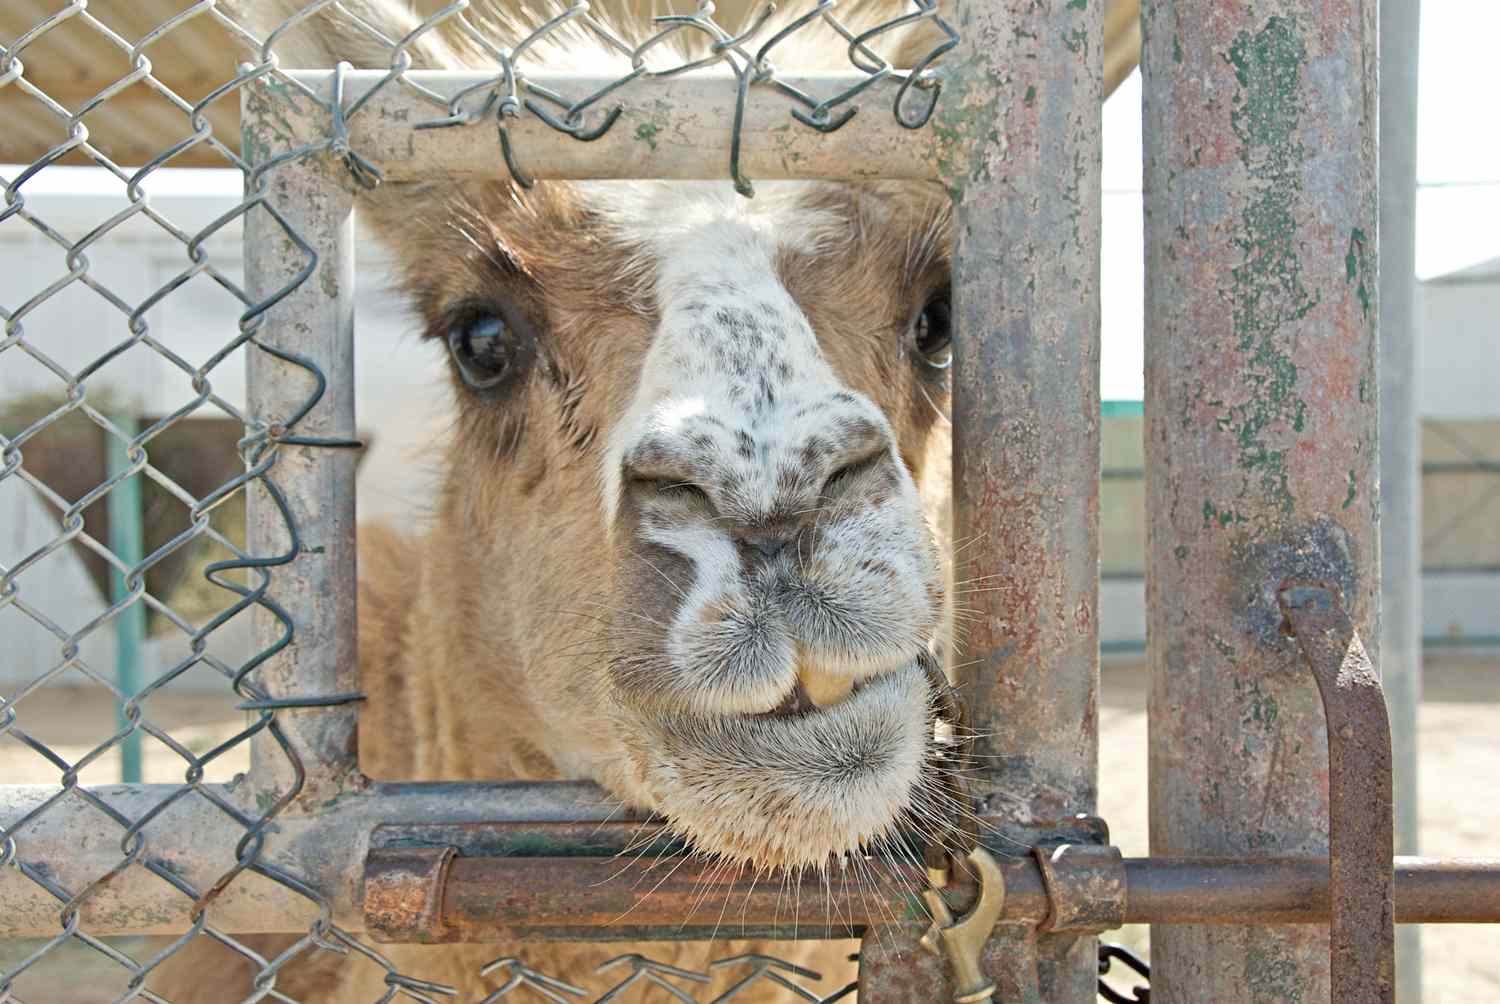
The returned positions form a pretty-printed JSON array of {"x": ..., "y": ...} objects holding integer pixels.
[{"x": 963, "y": 940}]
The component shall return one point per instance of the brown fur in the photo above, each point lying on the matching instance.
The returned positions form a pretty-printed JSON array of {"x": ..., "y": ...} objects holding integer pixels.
[
  {"x": 453, "y": 623},
  {"x": 481, "y": 641}
]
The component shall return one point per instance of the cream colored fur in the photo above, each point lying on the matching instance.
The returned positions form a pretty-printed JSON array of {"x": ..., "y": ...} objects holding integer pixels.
[{"x": 702, "y": 375}]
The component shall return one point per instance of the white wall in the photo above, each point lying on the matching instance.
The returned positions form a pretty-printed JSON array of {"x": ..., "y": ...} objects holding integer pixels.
[
  {"x": 400, "y": 394},
  {"x": 1459, "y": 318}
]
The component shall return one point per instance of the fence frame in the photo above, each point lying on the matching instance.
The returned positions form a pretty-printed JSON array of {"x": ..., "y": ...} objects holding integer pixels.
[{"x": 1017, "y": 149}]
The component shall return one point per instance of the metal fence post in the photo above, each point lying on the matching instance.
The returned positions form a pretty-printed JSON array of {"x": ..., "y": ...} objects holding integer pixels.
[
  {"x": 127, "y": 543},
  {"x": 1401, "y": 439},
  {"x": 1262, "y": 442},
  {"x": 1023, "y": 115},
  {"x": 307, "y": 199}
]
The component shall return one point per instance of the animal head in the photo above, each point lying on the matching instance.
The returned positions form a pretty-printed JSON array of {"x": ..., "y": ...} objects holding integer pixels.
[{"x": 689, "y": 532}]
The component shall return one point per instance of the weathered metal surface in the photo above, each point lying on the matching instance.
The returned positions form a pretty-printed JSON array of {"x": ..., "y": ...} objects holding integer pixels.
[
  {"x": 194, "y": 838},
  {"x": 198, "y": 55},
  {"x": 306, "y": 222},
  {"x": 531, "y": 838},
  {"x": 674, "y": 128},
  {"x": 1023, "y": 101},
  {"x": 893, "y": 968},
  {"x": 1447, "y": 891},
  {"x": 493, "y": 899},
  {"x": 1360, "y": 822},
  {"x": 404, "y": 890},
  {"x": 329, "y": 852},
  {"x": 1295, "y": 891},
  {"x": 1085, "y": 888},
  {"x": 1261, "y": 439}
]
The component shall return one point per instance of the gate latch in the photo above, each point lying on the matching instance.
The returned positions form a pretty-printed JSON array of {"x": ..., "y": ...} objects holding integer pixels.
[{"x": 963, "y": 940}]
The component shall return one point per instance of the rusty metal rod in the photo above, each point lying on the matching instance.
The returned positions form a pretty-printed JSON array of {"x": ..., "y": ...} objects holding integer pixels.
[
  {"x": 1361, "y": 832},
  {"x": 500, "y": 899}
]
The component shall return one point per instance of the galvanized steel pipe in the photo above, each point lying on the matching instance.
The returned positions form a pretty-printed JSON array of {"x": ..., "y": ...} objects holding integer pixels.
[
  {"x": 671, "y": 128},
  {"x": 314, "y": 321},
  {"x": 1024, "y": 99}
]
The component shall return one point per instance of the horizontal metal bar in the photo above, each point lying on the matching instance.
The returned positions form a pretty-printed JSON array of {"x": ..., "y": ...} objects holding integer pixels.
[
  {"x": 75, "y": 843},
  {"x": 670, "y": 128},
  {"x": 519, "y": 898}
]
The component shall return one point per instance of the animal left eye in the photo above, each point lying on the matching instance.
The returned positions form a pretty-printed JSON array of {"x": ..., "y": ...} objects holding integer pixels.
[
  {"x": 933, "y": 332},
  {"x": 484, "y": 349}
]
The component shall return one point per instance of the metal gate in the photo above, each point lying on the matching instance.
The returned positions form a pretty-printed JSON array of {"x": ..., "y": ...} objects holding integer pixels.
[{"x": 1262, "y": 572}]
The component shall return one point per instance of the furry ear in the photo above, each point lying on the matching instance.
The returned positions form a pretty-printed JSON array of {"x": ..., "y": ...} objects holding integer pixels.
[{"x": 350, "y": 31}]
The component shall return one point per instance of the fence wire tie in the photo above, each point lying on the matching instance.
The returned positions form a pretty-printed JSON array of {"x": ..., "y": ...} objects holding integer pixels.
[
  {"x": 365, "y": 174},
  {"x": 509, "y": 108}
]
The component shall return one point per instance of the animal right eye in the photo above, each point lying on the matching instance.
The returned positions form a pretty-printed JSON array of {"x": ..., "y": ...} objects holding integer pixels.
[
  {"x": 681, "y": 491},
  {"x": 485, "y": 349}
]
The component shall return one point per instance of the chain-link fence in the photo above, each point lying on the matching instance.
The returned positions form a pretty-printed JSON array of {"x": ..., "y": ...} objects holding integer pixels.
[
  {"x": 190, "y": 856},
  {"x": 1261, "y": 450}
]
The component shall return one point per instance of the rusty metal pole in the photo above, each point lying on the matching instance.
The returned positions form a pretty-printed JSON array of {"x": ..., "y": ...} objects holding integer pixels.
[
  {"x": 312, "y": 198},
  {"x": 1021, "y": 118},
  {"x": 1262, "y": 443},
  {"x": 1361, "y": 835}
]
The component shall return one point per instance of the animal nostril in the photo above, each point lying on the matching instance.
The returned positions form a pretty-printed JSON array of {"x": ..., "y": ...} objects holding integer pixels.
[{"x": 765, "y": 546}]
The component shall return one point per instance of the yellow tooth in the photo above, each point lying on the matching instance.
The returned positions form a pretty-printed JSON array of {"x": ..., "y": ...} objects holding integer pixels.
[{"x": 825, "y": 689}]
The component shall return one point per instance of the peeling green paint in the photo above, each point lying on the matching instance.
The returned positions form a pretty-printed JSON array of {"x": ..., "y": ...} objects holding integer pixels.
[
  {"x": 646, "y": 133},
  {"x": 1176, "y": 48},
  {"x": 1078, "y": 4},
  {"x": 1357, "y": 267},
  {"x": 1267, "y": 292},
  {"x": 1264, "y": 709},
  {"x": 1030, "y": 98},
  {"x": 1349, "y": 499},
  {"x": 966, "y": 129},
  {"x": 267, "y": 128},
  {"x": 1224, "y": 517}
]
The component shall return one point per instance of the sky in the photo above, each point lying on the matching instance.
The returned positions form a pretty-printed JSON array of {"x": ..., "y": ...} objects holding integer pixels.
[{"x": 1458, "y": 172}]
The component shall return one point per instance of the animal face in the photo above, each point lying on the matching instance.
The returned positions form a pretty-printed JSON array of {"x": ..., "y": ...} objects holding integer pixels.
[{"x": 686, "y": 482}]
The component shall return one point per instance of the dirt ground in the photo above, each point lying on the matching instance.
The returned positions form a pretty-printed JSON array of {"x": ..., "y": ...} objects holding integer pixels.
[
  {"x": 1458, "y": 788},
  {"x": 1460, "y": 803}
]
